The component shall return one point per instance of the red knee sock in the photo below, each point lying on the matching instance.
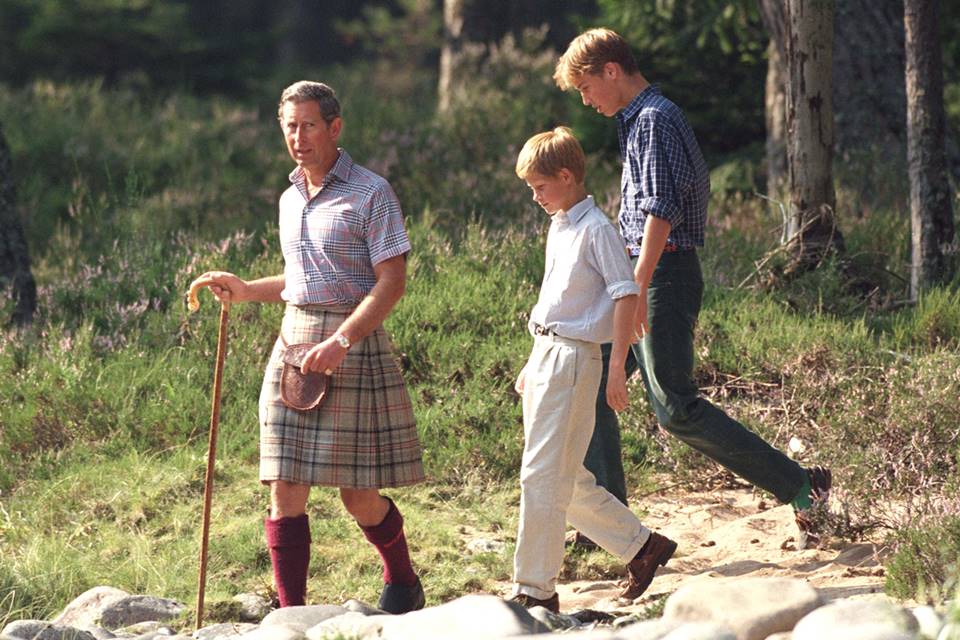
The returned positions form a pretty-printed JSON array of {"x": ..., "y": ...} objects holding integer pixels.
[
  {"x": 289, "y": 542},
  {"x": 389, "y": 540}
]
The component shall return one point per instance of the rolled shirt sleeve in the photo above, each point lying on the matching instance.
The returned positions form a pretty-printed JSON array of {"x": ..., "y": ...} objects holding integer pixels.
[
  {"x": 608, "y": 256},
  {"x": 386, "y": 235}
]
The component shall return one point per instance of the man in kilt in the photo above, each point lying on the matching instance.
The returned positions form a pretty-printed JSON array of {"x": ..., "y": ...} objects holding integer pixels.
[{"x": 344, "y": 247}]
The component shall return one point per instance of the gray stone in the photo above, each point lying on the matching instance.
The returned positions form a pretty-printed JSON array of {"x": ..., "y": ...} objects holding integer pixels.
[
  {"x": 783, "y": 635},
  {"x": 99, "y": 632},
  {"x": 929, "y": 622},
  {"x": 482, "y": 545},
  {"x": 149, "y": 626},
  {"x": 873, "y": 619},
  {"x": 43, "y": 630},
  {"x": 554, "y": 621},
  {"x": 701, "y": 631},
  {"x": 472, "y": 617},
  {"x": 753, "y": 608},
  {"x": 303, "y": 617},
  {"x": 274, "y": 632},
  {"x": 133, "y": 609},
  {"x": 357, "y": 606},
  {"x": 254, "y": 607},
  {"x": 353, "y": 625},
  {"x": 84, "y": 610},
  {"x": 223, "y": 630}
]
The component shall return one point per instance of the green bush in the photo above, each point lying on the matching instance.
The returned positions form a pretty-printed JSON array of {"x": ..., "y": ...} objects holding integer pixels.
[{"x": 925, "y": 565}]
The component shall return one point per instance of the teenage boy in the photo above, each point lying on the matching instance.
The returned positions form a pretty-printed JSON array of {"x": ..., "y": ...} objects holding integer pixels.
[
  {"x": 588, "y": 297},
  {"x": 665, "y": 187}
]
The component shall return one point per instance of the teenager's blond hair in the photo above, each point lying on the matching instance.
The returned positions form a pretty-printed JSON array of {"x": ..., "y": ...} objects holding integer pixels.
[
  {"x": 589, "y": 52},
  {"x": 549, "y": 152}
]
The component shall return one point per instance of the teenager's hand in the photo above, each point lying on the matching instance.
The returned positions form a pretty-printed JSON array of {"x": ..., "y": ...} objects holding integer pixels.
[
  {"x": 225, "y": 287},
  {"x": 326, "y": 356},
  {"x": 641, "y": 327},
  {"x": 617, "y": 389},
  {"x": 521, "y": 380}
]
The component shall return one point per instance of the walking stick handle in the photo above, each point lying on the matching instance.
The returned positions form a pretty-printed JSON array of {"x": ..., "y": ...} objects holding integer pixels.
[{"x": 211, "y": 455}]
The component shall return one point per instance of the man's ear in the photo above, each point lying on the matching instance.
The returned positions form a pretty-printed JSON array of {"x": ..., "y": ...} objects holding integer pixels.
[
  {"x": 612, "y": 70},
  {"x": 336, "y": 126}
]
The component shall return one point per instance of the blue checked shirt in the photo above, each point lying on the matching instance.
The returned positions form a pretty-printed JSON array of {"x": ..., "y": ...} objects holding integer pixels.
[
  {"x": 664, "y": 173},
  {"x": 330, "y": 243}
]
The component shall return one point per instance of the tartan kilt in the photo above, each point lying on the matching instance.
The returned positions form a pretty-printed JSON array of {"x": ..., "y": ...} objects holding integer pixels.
[{"x": 362, "y": 436}]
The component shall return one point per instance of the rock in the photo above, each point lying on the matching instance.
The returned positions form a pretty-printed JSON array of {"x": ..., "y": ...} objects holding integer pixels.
[
  {"x": 783, "y": 635},
  {"x": 554, "y": 621},
  {"x": 929, "y": 622},
  {"x": 223, "y": 630},
  {"x": 472, "y": 617},
  {"x": 357, "y": 606},
  {"x": 874, "y": 619},
  {"x": 482, "y": 545},
  {"x": 43, "y": 630},
  {"x": 133, "y": 609},
  {"x": 144, "y": 628},
  {"x": 353, "y": 625},
  {"x": 302, "y": 618},
  {"x": 701, "y": 631},
  {"x": 753, "y": 608},
  {"x": 950, "y": 631},
  {"x": 84, "y": 610},
  {"x": 646, "y": 630},
  {"x": 274, "y": 632},
  {"x": 254, "y": 607}
]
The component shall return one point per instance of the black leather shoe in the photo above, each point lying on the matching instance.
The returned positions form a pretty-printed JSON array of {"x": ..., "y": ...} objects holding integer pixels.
[{"x": 402, "y": 598}]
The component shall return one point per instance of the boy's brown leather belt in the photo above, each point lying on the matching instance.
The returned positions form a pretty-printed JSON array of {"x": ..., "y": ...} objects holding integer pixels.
[{"x": 540, "y": 330}]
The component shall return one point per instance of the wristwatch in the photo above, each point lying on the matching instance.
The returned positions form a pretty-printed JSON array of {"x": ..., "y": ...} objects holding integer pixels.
[{"x": 342, "y": 340}]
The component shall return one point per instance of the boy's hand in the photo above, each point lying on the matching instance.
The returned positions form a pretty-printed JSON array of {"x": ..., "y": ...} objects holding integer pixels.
[
  {"x": 521, "y": 379},
  {"x": 617, "y": 389}
]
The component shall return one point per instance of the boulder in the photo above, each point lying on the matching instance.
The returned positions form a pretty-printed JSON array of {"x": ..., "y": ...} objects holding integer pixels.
[
  {"x": 752, "y": 608},
  {"x": 223, "y": 630},
  {"x": 353, "y": 625},
  {"x": 43, "y": 630},
  {"x": 253, "y": 606},
  {"x": 929, "y": 622},
  {"x": 84, "y": 611},
  {"x": 302, "y": 618},
  {"x": 873, "y": 619},
  {"x": 133, "y": 609},
  {"x": 701, "y": 631},
  {"x": 472, "y": 617},
  {"x": 357, "y": 606}
]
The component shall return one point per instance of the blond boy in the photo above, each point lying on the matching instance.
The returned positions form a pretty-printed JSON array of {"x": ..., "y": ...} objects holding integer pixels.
[{"x": 588, "y": 297}]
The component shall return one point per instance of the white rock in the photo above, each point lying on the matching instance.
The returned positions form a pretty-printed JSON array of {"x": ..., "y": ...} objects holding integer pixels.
[
  {"x": 223, "y": 630},
  {"x": 856, "y": 620},
  {"x": 753, "y": 608},
  {"x": 84, "y": 610},
  {"x": 648, "y": 629},
  {"x": 273, "y": 632},
  {"x": 701, "y": 631},
  {"x": 472, "y": 617},
  {"x": 928, "y": 621},
  {"x": 358, "y": 606},
  {"x": 352, "y": 625},
  {"x": 133, "y": 609},
  {"x": 483, "y": 545},
  {"x": 783, "y": 635},
  {"x": 303, "y": 617},
  {"x": 950, "y": 631}
]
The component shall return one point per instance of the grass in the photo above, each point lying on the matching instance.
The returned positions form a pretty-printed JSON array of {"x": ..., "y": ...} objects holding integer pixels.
[{"x": 105, "y": 399}]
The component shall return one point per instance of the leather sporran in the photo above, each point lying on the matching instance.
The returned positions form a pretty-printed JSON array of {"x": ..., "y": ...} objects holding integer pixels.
[{"x": 301, "y": 392}]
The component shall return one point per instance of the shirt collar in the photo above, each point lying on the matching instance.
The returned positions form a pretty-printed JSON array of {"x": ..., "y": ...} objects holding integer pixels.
[
  {"x": 574, "y": 214},
  {"x": 639, "y": 101},
  {"x": 340, "y": 170}
]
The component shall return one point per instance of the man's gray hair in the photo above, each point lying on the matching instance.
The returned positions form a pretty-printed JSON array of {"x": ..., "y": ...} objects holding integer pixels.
[{"x": 306, "y": 90}]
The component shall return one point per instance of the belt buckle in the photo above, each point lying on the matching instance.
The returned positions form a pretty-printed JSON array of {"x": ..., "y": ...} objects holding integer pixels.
[{"x": 540, "y": 330}]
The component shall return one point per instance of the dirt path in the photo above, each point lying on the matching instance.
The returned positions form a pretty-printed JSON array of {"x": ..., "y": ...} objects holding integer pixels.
[{"x": 730, "y": 533}]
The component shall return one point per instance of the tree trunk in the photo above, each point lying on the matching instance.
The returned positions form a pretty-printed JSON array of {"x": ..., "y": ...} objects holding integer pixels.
[
  {"x": 811, "y": 224},
  {"x": 931, "y": 213},
  {"x": 776, "y": 121},
  {"x": 15, "y": 272}
]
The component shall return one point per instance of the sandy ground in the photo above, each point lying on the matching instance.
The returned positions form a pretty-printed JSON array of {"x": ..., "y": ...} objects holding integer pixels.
[{"x": 731, "y": 533}]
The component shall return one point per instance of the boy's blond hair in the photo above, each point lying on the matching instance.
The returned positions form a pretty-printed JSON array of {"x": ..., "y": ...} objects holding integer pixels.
[
  {"x": 549, "y": 152},
  {"x": 589, "y": 52}
]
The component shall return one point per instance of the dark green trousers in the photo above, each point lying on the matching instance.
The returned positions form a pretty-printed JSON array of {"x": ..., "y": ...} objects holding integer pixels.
[{"x": 665, "y": 359}]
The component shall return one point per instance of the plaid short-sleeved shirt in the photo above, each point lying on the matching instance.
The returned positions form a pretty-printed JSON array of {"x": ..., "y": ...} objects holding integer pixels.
[
  {"x": 331, "y": 242},
  {"x": 664, "y": 173}
]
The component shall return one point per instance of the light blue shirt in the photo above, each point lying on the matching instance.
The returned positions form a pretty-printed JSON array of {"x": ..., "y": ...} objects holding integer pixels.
[{"x": 587, "y": 269}]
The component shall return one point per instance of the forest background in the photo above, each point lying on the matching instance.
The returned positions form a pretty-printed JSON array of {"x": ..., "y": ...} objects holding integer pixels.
[{"x": 143, "y": 150}]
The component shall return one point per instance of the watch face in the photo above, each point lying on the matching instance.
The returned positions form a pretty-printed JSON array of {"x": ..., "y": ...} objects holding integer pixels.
[{"x": 342, "y": 341}]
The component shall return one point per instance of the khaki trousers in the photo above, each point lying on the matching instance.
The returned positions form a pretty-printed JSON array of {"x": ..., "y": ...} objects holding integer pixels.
[{"x": 560, "y": 391}]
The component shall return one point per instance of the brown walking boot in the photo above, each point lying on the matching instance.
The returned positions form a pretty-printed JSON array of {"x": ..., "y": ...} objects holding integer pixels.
[{"x": 655, "y": 553}]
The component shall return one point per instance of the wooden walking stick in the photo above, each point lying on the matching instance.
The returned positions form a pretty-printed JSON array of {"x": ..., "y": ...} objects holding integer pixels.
[{"x": 211, "y": 447}]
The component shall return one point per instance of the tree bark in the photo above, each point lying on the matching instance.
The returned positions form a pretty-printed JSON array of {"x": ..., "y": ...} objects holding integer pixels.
[
  {"x": 811, "y": 221},
  {"x": 775, "y": 111},
  {"x": 15, "y": 272},
  {"x": 931, "y": 213}
]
